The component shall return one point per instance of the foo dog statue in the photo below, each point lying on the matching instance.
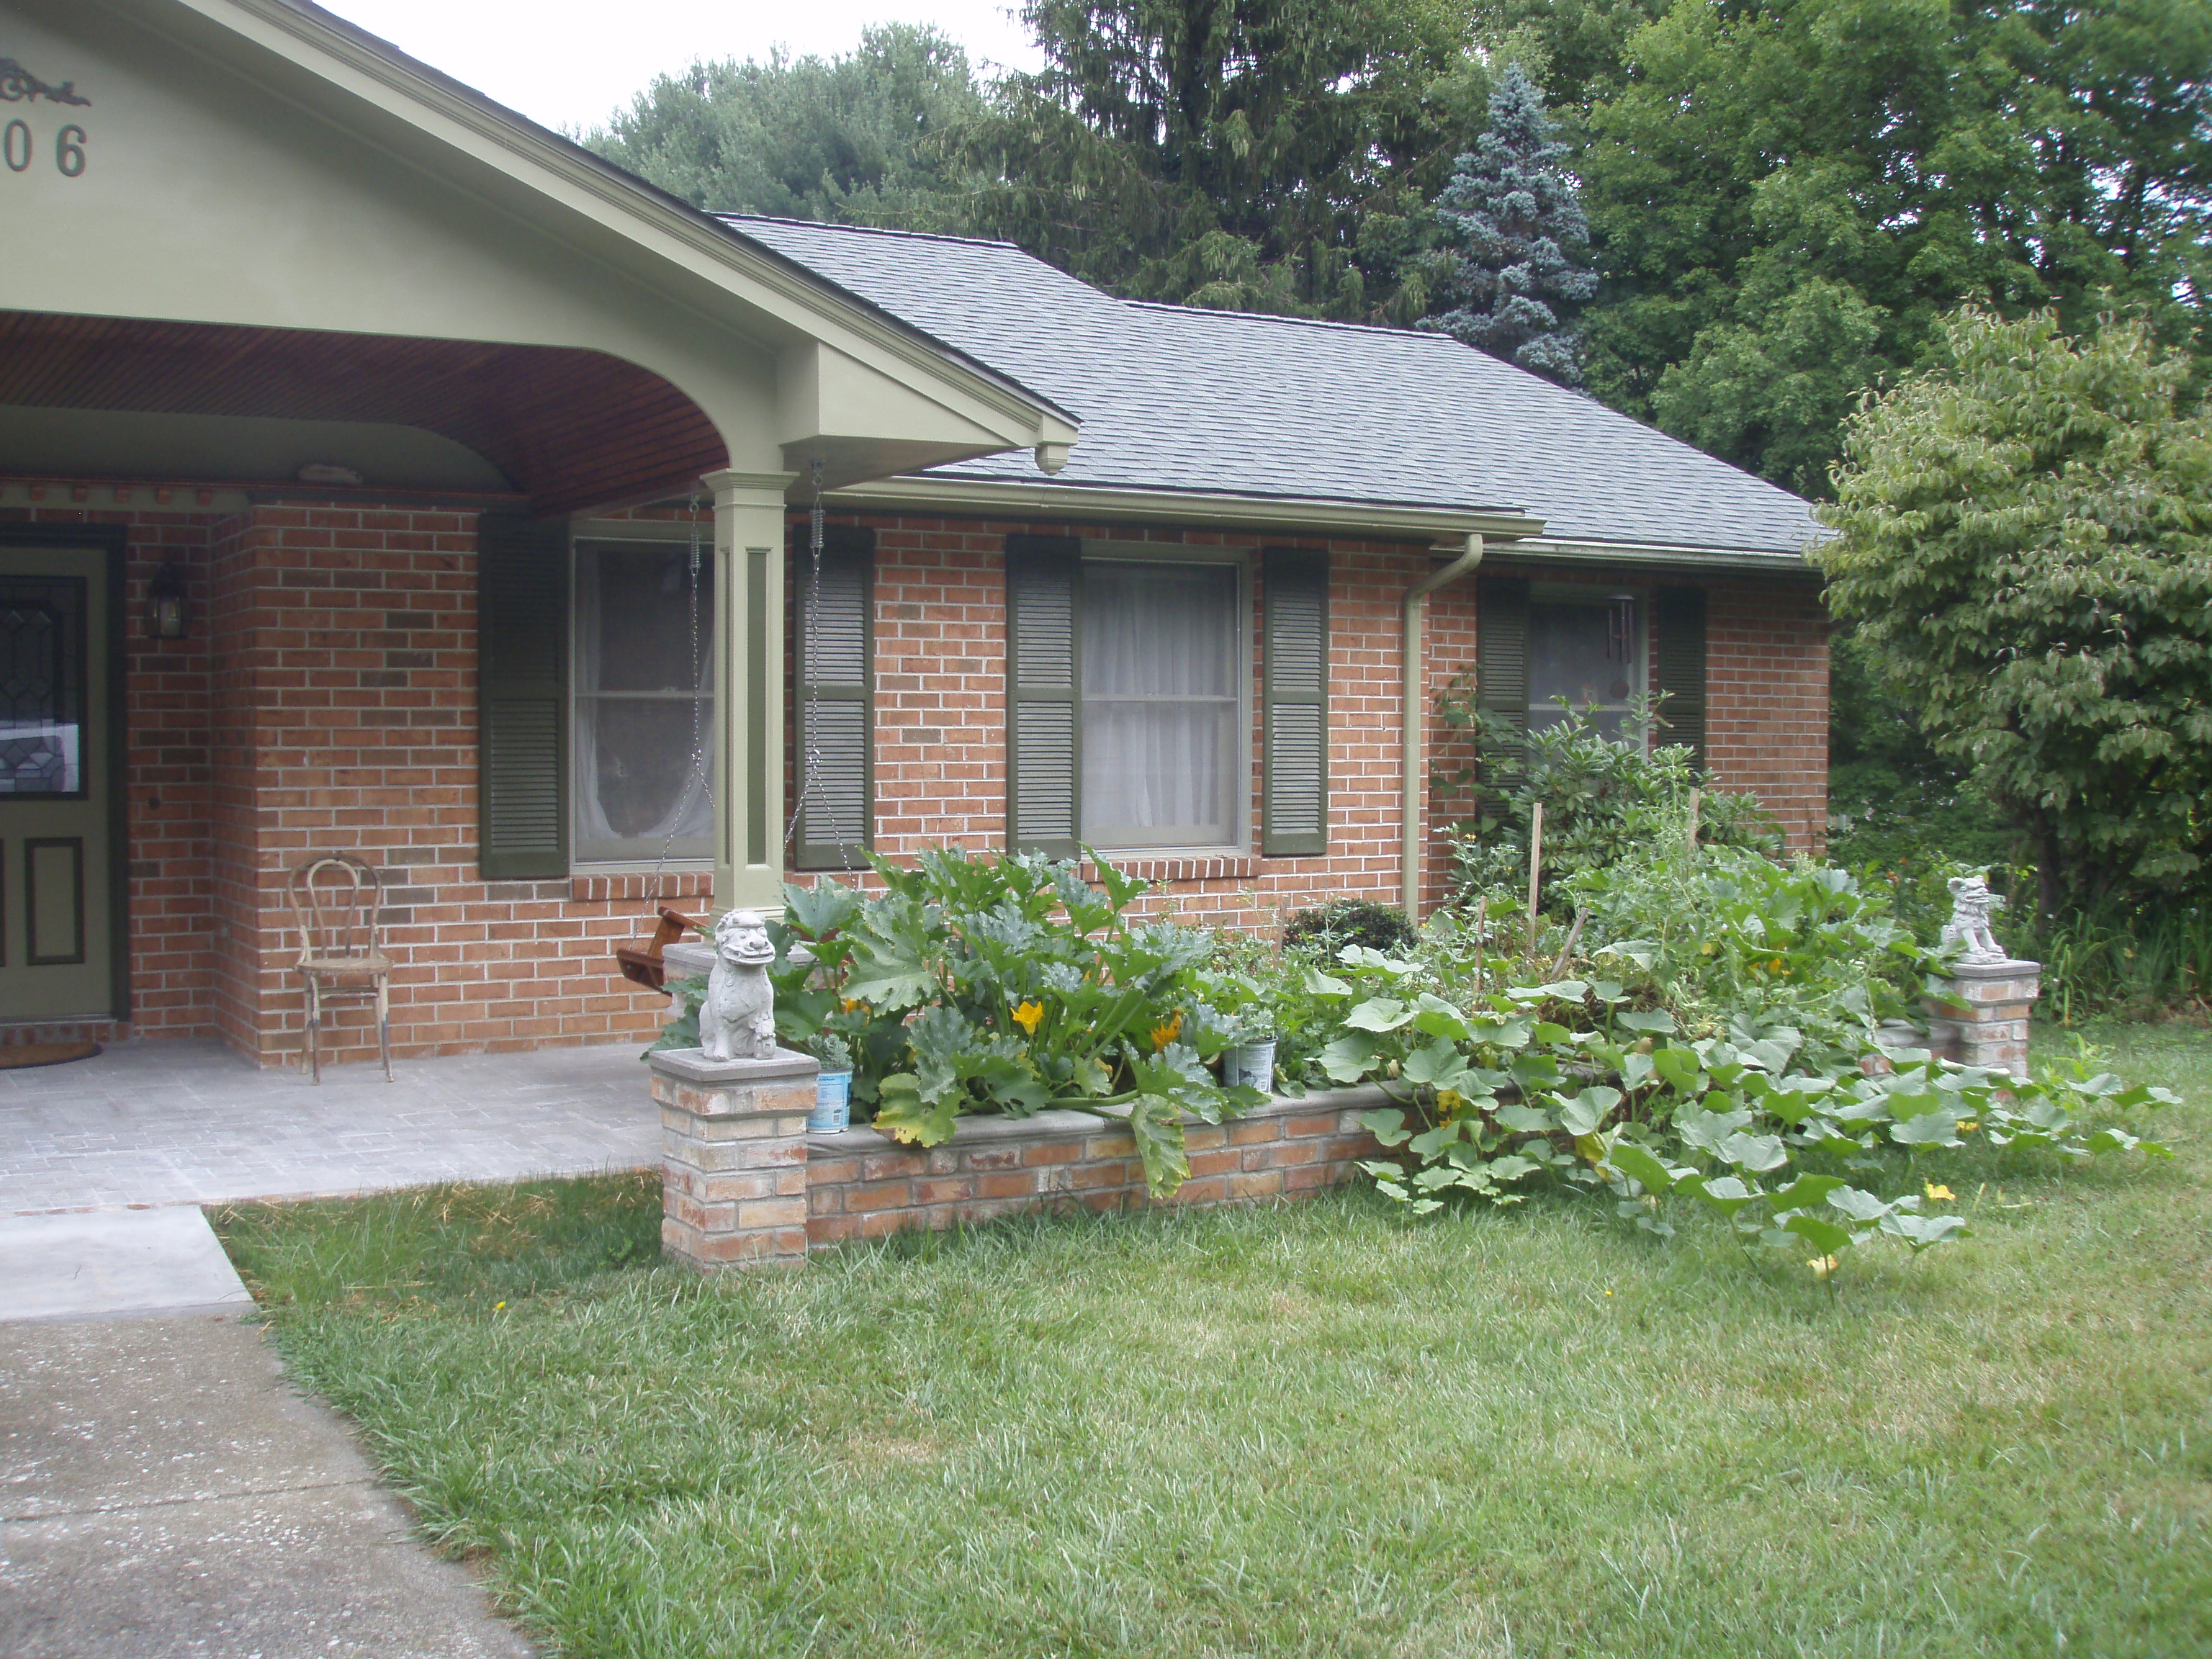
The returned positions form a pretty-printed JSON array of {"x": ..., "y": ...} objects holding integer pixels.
[
  {"x": 738, "y": 1020},
  {"x": 1971, "y": 903}
]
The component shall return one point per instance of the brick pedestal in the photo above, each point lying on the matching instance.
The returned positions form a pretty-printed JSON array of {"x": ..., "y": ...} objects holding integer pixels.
[
  {"x": 1981, "y": 1016},
  {"x": 733, "y": 1157}
]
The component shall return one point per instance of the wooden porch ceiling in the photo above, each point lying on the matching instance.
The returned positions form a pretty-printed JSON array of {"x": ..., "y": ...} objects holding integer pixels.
[{"x": 570, "y": 428}]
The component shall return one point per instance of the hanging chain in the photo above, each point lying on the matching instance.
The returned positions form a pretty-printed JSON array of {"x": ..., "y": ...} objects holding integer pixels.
[
  {"x": 695, "y": 777},
  {"x": 810, "y": 765}
]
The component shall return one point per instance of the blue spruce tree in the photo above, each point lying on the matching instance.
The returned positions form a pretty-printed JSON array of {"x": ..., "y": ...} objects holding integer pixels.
[{"x": 1514, "y": 227}]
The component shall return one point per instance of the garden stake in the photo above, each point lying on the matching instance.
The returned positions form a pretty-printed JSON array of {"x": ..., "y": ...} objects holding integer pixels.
[
  {"x": 1582, "y": 915},
  {"x": 1481, "y": 939},
  {"x": 1535, "y": 858},
  {"x": 1690, "y": 837}
]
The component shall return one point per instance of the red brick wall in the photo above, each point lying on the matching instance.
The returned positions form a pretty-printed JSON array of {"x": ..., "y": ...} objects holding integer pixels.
[
  {"x": 940, "y": 709},
  {"x": 325, "y": 699},
  {"x": 859, "y": 1187},
  {"x": 1766, "y": 700},
  {"x": 940, "y": 645}
]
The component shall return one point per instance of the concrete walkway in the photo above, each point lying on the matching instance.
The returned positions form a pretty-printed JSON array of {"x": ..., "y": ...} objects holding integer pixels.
[
  {"x": 191, "y": 1123},
  {"x": 163, "y": 1491}
]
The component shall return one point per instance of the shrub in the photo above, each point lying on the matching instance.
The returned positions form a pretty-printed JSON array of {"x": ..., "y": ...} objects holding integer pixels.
[
  {"x": 1605, "y": 800},
  {"x": 1329, "y": 927}
]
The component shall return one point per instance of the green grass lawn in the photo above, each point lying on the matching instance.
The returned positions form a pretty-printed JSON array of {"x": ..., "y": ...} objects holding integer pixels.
[{"x": 1314, "y": 1430}]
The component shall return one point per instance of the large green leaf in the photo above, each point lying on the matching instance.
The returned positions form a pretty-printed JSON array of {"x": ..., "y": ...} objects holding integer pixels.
[
  {"x": 1379, "y": 1014},
  {"x": 1825, "y": 1237},
  {"x": 905, "y": 1116},
  {"x": 1348, "y": 1058},
  {"x": 1156, "y": 1124},
  {"x": 821, "y": 909}
]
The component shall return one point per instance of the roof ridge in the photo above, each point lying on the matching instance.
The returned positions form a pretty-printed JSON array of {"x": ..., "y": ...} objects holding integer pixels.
[
  {"x": 884, "y": 230},
  {"x": 1309, "y": 322}
]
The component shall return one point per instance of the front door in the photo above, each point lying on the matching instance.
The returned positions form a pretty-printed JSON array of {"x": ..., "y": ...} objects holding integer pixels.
[{"x": 58, "y": 903}]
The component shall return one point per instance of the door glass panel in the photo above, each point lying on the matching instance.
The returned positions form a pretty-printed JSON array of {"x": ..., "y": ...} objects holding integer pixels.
[{"x": 42, "y": 691}]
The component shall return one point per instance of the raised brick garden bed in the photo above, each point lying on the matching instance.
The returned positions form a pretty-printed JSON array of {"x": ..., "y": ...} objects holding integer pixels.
[{"x": 858, "y": 1185}]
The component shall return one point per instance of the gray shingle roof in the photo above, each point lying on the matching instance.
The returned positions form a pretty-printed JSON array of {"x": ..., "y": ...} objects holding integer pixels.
[{"x": 1174, "y": 398}]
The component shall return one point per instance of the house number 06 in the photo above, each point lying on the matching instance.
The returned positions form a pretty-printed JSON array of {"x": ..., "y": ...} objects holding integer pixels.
[{"x": 17, "y": 148}]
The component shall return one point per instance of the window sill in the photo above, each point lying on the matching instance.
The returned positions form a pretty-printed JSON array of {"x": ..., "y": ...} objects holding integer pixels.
[
  {"x": 1170, "y": 867},
  {"x": 637, "y": 885}
]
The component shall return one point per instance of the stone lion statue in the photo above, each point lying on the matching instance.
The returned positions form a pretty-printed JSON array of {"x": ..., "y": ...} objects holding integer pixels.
[
  {"x": 738, "y": 1020},
  {"x": 1972, "y": 905}
]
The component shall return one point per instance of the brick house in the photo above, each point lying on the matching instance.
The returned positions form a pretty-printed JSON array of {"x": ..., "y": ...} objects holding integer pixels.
[{"x": 380, "y": 472}]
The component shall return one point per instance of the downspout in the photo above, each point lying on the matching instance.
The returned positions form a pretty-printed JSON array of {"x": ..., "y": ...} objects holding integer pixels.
[{"x": 1416, "y": 708}]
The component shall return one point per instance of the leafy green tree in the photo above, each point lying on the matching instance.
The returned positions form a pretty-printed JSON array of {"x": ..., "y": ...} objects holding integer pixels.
[
  {"x": 1252, "y": 155},
  {"x": 840, "y": 138},
  {"x": 2024, "y": 541},
  {"x": 1514, "y": 229},
  {"x": 1787, "y": 194}
]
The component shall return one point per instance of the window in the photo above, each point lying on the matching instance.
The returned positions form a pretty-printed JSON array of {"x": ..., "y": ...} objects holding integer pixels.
[
  {"x": 1165, "y": 680},
  {"x": 1585, "y": 646},
  {"x": 1130, "y": 688},
  {"x": 642, "y": 702},
  {"x": 1535, "y": 642}
]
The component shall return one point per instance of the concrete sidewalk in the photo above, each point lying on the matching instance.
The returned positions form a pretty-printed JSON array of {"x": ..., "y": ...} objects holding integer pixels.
[
  {"x": 164, "y": 1492},
  {"x": 163, "y": 1489}
]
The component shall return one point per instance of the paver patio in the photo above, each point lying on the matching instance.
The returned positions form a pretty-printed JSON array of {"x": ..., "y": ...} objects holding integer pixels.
[{"x": 189, "y": 1122}]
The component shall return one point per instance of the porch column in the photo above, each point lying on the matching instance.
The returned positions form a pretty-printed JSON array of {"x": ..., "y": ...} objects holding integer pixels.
[{"x": 748, "y": 689}]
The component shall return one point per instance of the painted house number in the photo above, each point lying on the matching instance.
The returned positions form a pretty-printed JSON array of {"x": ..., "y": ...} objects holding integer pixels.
[{"x": 20, "y": 146}]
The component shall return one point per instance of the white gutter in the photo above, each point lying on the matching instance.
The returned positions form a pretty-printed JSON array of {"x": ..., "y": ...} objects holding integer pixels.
[{"x": 1415, "y": 710}]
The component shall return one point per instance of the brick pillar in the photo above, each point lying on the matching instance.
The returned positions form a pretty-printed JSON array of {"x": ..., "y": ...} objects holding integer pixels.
[
  {"x": 1980, "y": 1018},
  {"x": 733, "y": 1158}
]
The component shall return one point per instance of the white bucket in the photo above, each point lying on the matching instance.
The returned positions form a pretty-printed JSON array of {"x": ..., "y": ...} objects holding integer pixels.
[
  {"x": 1252, "y": 1064},
  {"x": 833, "y": 1103}
]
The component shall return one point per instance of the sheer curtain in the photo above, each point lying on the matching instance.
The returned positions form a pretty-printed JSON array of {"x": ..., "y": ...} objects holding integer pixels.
[
  {"x": 641, "y": 703},
  {"x": 1590, "y": 652},
  {"x": 1160, "y": 678}
]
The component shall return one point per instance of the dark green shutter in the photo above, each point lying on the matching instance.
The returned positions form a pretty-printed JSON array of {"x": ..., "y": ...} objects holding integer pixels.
[
  {"x": 1044, "y": 695},
  {"x": 522, "y": 697},
  {"x": 1294, "y": 755},
  {"x": 836, "y": 725},
  {"x": 1681, "y": 675},
  {"x": 1501, "y": 665}
]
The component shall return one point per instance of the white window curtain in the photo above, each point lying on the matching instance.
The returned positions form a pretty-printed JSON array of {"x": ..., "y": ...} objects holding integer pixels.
[
  {"x": 643, "y": 696},
  {"x": 1161, "y": 674}
]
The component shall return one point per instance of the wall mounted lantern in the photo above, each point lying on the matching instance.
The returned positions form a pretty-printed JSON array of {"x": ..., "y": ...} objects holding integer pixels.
[{"x": 166, "y": 620}]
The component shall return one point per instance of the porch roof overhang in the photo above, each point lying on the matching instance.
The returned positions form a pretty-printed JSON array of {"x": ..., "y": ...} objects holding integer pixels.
[{"x": 286, "y": 217}]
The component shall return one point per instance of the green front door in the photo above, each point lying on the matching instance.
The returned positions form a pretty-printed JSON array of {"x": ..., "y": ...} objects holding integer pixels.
[{"x": 58, "y": 903}]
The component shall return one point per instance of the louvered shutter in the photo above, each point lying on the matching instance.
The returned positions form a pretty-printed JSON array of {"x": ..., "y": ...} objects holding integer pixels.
[
  {"x": 522, "y": 698},
  {"x": 836, "y": 723},
  {"x": 1501, "y": 666},
  {"x": 1294, "y": 753},
  {"x": 1044, "y": 692},
  {"x": 1681, "y": 675}
]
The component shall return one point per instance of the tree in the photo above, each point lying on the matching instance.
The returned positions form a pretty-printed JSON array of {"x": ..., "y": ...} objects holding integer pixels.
[
  {"x": 1786, "y": 195},
  {"x": 1514, "y": 228},
  {"x": 2024, "y": 540},
  {"x": 842, "y": 139},
  {"x": 1253, "y": 154}
]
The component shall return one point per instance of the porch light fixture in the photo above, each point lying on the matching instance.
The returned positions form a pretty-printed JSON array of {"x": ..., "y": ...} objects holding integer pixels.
[{"x": 165, "y": 618}]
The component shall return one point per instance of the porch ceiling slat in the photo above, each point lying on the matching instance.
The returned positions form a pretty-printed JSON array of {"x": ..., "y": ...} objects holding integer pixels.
[{"x": 570, "y": 427}]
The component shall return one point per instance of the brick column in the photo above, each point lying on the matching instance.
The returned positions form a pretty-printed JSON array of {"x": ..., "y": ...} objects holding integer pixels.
[
  {"x": 733, "y": 1158},
  {"x": 1980, "y": 1017}
]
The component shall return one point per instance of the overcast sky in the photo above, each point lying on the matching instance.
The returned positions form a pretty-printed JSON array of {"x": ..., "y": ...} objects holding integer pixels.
[{"x": 569, "y": 63}]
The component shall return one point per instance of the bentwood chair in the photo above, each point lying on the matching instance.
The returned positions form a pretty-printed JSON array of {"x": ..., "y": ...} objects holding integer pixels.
[{"x": 337, "y": 903}]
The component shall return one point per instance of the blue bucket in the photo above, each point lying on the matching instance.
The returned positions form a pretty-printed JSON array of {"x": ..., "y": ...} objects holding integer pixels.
[{"x": 833, "y": 1103}]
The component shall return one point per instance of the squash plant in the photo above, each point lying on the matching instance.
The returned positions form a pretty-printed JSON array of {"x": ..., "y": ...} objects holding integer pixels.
[{"x": 1006, "y": 983}]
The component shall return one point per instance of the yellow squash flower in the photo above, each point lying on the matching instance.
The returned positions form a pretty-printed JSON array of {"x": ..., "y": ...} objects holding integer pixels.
[
  {"x": 1163, "y": 1035},
  {"x": 1822, "y": 1266},
  {"x": 1938, "y": 1193},
  {"x": 1970, "y": 1126},
  {"x": 1029, "y": 1016}
]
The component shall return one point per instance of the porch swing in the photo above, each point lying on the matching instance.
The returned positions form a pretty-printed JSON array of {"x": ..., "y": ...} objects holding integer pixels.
[{"x": 641, "y": 962}]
